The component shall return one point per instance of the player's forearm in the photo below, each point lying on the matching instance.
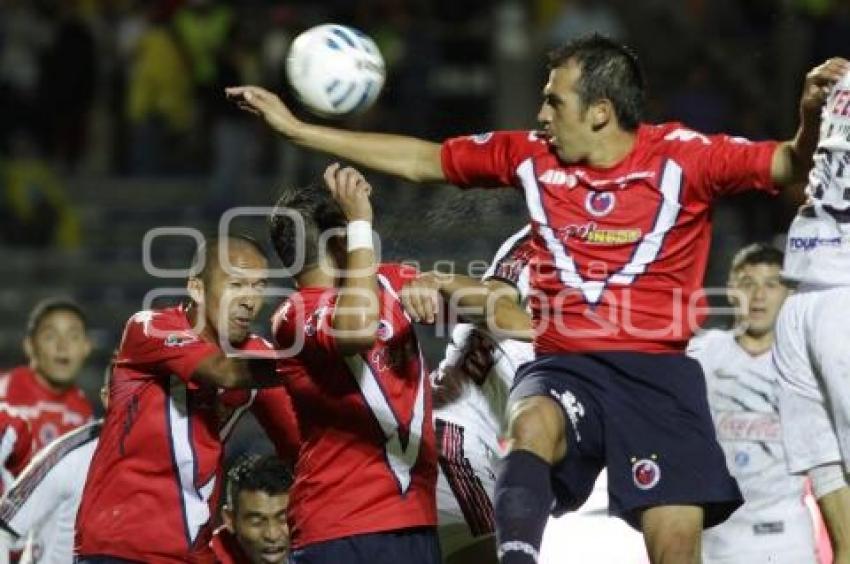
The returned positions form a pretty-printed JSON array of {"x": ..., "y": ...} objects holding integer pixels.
[
  {"x": 835, "y": 507},
  {"x": 355, "y": 318},
  {"x": 795, "y": 156},
  {"x": 410, "y": 158}
]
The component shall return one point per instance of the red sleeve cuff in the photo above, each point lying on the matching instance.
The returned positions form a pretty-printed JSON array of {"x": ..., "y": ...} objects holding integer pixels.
[{"x": 449, "y": 170}]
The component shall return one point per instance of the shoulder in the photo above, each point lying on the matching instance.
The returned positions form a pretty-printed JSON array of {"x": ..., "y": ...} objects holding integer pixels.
[
  {"x": 168, "y": 325},
  {"x": 707, "y": 343},
  {"x": 10, "y": 378},
  {"x": 517, "y": 142},
  {"x": 301, "y": 309},
  {"x": 157, "y": 319}
]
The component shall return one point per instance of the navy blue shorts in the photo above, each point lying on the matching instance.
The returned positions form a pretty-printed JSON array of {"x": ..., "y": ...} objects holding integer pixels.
[
  {"x": 414, "y": 546},
  {"x": 645, "y": 417}
]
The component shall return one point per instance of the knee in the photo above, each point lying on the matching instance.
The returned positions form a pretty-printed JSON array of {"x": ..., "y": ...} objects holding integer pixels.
[
  {"x": 536, "y": 424},
  {"x": 673, "y": 535}
]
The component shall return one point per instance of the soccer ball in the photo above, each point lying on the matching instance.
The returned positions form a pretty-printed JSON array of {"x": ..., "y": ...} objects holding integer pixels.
[{"x": 335, "y": 70}]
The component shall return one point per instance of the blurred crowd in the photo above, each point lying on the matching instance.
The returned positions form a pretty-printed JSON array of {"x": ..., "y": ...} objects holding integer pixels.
[{"x": 133, "y": 87}]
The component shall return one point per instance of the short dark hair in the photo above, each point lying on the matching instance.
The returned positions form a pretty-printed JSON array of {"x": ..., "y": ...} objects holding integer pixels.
[
  {"x": 757, "y": 253},
  {"x": 319, "y": 211},
  {"x": 209, "y": 251},
  {"x": 257, "y": 474},
  {"x": 51, "y": 305},
  {"x": 608, "y": 70}
]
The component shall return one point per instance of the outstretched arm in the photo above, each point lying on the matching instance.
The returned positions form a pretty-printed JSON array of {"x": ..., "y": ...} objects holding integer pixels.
[
  {"x": 793, "y": 159},
  {"x": 410, "y": 158},
  {"x": 355, "y": 318},
  {"x": 491, "y": 304}
]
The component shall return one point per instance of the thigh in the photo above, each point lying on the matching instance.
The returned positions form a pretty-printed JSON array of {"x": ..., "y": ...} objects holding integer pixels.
[
  {"x": 808, "y": 434},
  {"x": 829, "y": 344},
  {"x": 660, "y": 443},
  {"x": 573, "y": 382}
]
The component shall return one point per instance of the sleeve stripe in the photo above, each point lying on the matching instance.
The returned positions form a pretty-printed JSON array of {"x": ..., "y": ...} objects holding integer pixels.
[{"x": 40, "y": 466}]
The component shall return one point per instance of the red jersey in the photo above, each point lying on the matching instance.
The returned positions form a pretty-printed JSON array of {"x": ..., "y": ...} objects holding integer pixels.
[
  {"x": 619, "y": 253},
  {"x": 368, "y": 459},
  {"x": 49, "y": 413},
  {"x": 226, "y": 548},
  {"x": 155, "y": 477},
  {"x": 15, "y": 444}
]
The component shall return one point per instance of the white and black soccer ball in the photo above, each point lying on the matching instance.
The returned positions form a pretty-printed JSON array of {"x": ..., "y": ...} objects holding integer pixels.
[{"x": 335, "y": 70}]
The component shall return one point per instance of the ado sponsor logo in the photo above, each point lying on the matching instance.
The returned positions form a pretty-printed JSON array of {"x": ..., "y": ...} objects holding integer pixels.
[{"x": 558, "y": 178}]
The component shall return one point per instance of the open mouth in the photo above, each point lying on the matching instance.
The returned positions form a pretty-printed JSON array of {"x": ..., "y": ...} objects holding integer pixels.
[
  {"x": 62, "y": 361},
  {"x": 242, "y": 322},
  {"x": 273, "y": 554}
]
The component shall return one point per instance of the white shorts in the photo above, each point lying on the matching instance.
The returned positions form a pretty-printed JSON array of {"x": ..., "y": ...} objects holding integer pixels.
[
  {"x": 465, "y": 487},
  {"x": 812, "y": 354}
]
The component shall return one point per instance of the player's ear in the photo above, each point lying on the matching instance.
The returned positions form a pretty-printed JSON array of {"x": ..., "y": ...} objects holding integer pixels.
[
  {"x": 87, "y": 346},
  {"x": 227, "y": 518},
  {"x": 28, "y": 347},
  {"x": 601, "y": 114},
  {"x": 195, "y": 287}
]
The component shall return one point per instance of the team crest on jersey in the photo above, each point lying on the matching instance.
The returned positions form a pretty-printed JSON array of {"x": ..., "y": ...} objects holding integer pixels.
[
  {"x": 385, "y": 330},
  {"x": 599, "y": 204},
  {"x": 646, "y": 473},
  {"x": 482, "y": 138}
]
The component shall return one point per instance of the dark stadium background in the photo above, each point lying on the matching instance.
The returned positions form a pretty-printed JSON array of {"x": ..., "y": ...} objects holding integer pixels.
[{"x": 106, "y": 131}]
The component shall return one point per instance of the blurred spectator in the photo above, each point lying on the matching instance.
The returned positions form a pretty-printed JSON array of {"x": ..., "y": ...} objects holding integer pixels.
[
  {"x": 24, "y": 33},
  {"x": 204, "y": 28},
  {"x": 699, "y": 104},
  {"x": 68, "y": 86},
  {"x": 233, "y": 135},
  {"x": 34, "y": 209},
  {"x": 159, "y": 94},
  {"x": 580, "y": 17}
]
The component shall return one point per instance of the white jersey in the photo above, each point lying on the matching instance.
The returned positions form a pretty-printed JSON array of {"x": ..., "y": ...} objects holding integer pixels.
[
  {"x": 482, "y": 405},
  {"x": 743, "y": 396},
  {"x": 818, "y": 248},
  {"x": 42, "y": 503},
  {"x": 468, "y": 434}
]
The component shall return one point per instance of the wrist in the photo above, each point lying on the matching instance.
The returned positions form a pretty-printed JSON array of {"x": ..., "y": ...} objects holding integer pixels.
[{"x": 359, "y": 235}]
